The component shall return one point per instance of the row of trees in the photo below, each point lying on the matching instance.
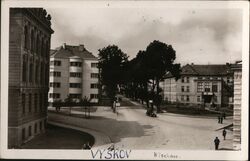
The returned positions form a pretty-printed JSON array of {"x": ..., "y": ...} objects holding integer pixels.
[
  {"x": 139, "y": 77},
  {"x": 70, "y": 102}
]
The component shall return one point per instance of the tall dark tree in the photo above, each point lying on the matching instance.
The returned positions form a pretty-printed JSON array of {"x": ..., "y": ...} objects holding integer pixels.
[
  {"x": 112, "y": 65},
  {"x": 159, "y": 59}
]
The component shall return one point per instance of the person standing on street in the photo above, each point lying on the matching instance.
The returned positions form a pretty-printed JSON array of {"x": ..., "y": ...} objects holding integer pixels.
[
  {"x": 224, "y": 133},
  {"x": 221, "y": 120},
  {"x": 218, "y": 119},
  {"x": 216, "y": 143},
  {"x": 224, "y": 115}
]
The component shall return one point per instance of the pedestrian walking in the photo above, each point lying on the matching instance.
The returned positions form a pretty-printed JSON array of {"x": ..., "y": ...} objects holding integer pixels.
[
  {"x": 216, "y": 143},
  {"x": 218, "y": 119},
  {"x": 221, "y": 120},
  {"x": 224, "y": 133},
  {"x": 224, "y": 115}
]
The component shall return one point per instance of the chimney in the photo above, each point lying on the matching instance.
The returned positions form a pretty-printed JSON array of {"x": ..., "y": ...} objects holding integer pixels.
[
  {"x": 81, "y": 47},
  {"x": 64, "y": 45}
]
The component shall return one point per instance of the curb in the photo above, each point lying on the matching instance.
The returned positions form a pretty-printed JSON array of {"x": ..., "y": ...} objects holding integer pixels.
[{"x": 100, "y": 139}]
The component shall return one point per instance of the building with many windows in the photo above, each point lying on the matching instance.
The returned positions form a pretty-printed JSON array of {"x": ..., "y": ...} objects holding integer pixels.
[
  {"x": 200, "y": 85},
  {"x": 29, "y": 45},
  {"x": 73, "y": 73},
  {"x": 237, "y": 69}
]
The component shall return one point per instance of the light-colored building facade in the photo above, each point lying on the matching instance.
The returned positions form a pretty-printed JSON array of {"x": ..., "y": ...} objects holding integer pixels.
[
  {"x": 200, "y": 85},
  {"x": 73, "y": 73},
  {"x": 237, "y": 68},
  {"x": 29, "y": 44}
]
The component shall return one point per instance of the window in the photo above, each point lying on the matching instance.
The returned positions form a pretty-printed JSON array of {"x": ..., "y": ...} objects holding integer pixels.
[
  {"x": 35, "y": 128},
  {"x": 23, "y": 134},
  {"x": 182, "y": 79},
  {"x": 54, "y": 95},
  {"x": 93, "y": 96},
  {"x": 55, "y": 74},
  {"x": 207, "y": 87},
  {"x": 23, "y": 103},
  {"x": 214, "y": 87},
  {"x": 55, "y": 63},
  {"x": 32, "y": 48},
  {"x": 41, "y": 125},
  {"x": 78, "y": 96},
  {"x": 26, "y": 36},
  {"x": 37, "y": 44},
  {"x": 187, "y": 88},
  {"x": 187, "y": 98},
  {"x": 75, "y": 85},
  {"x": 94, "y": 75},
  {"x": 41, "y": 47},
  {"x": 187, "y": 79},
  {"x": 30, "y": 101},
  {"x": 41, "y": 73},
  {"x": 93, "y": 85},
  {"x": 45, "y": 101},
  {"x": 24, "y": 69},
  {"x": 200, "y": 87},
  {"x": 199, "y": 77},
  {"x": 76, "y": 64},
  {"x": 182, "y": 89},
  {"x": 36, "y": 72},
  {"x": 35, "y": 102},
  {"x": 75, "y": 74},
  {"x": 30, "y": 131},
  {"x": 198, "y": 98},
  {"x": 182, "y": 98},
  {"x": 55, "y": 84},
  {"x": 41, "y": 101},
  {"x": 94, "y": 65},
  {"x": 31, "y": 73}
]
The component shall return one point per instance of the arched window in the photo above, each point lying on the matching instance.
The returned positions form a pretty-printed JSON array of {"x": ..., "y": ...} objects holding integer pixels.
[
  {"x": 32, "y": 41},
  {"x": 24, "y": 71},
  {"x": 26, "y": 36},
  {"x": 36, "y": 72},
  {"x": 42, "y": 47},
  {"x": 37, "y": 44},
  {"x": 31, "y": 72}
]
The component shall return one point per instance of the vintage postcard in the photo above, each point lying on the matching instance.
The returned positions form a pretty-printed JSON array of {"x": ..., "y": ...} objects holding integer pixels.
[{"x": 151, "y": 80}]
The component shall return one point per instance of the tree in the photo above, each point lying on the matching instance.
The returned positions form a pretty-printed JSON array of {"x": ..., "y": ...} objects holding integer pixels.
[
  {"x": 112, "y": 63},
  {"x": 85, "y": 103},
  {"x": 69, "y": 102},
  {"x": 159, "y": 59}
]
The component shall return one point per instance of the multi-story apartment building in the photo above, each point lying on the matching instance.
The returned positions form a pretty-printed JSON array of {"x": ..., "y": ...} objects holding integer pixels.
[
  {"x": 237, "y": 69},
  {"x": 73, "y": 73},
  {"x": 200, "y": 85},
  {"x": 29, "y": 44}
]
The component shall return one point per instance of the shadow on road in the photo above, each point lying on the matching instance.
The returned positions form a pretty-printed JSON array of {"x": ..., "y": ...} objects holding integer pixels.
[{"x": 115, "y": 129}]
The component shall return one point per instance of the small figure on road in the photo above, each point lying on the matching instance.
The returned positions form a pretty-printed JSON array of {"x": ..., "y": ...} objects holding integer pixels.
[
  {"x": 216, "y": 143},
  {"x": 221, "y": 120},
  {"x": 224, "y": 115},
  {"x": 224, "y": 133},
  {"x": 218, "y": 119},
  {"x": 86, "y": 146}
]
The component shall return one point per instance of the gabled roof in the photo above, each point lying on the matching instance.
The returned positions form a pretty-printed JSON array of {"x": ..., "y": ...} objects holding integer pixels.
[
  {"x": 204, "y": 70},
  {"x": 67, "y": 51}
]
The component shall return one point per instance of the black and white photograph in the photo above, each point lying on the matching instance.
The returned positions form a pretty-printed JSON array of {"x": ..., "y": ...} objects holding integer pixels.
[{"x": 161, "y": 80}]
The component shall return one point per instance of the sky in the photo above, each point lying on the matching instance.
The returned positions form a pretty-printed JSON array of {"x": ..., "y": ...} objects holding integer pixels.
[{"x": 199, "y": 36}]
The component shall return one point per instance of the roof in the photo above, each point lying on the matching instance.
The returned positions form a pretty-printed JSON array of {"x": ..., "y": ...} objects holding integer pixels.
[
  {"x": 67, "y": 51},
  {"x": 236, "y": 66},
  {"x": 204, "y": 70}
]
